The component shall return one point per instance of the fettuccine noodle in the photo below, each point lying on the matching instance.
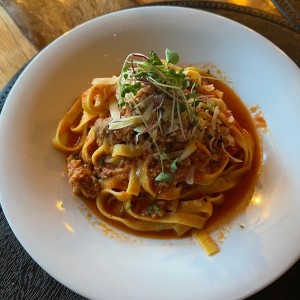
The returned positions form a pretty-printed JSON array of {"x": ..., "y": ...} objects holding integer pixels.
[{"x": 156, "y": 147}]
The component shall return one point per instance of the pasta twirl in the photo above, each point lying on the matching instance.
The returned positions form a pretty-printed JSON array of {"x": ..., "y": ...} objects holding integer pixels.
[{"x": 155, "y": 147}]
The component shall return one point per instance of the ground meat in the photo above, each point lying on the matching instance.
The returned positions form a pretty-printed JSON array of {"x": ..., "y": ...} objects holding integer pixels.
[
  {"x": 186, "y": 163},
  {"x": 156, "y": 210},
  {"x": 201, "y": 157},
  {"x": 162, "y": 209},
  {"x": 171, "y": 142},
  {"x": 121, "y": 136},
  {"x": 121, "y": 169},
  {"x": 117, "y": 136},
  {"x": 82, "y": 179},
  {"x": 100, "y": 126}
]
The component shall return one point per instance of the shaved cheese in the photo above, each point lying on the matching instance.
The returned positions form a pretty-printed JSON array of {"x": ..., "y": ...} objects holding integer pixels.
[
  {"x": 124, "y": 122},
  {"x": 114, "y": 108},
  {"x": 139, "y": 128},
  {"x": 171, "y": 155},
  {"x": 214, "y": 118},
  {"x": 233, "y": 158},
  {"x": 148, "y": 112},
  {"x": 190, "y": 175},
  {"x": 188, "y": 150}
]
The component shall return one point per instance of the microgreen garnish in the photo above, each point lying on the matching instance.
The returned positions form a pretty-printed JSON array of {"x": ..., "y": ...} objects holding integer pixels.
[
  {"x": 164, "y": 176},
  {"x": 101, "y": 160},
  {"x": 210, "y": 107},
  {"x": 153, "y": 59},
  {"x": 173, "y": 99},
  {"x": 151, "y": 208},
  {"x": 173, "y": 166},
  {"x": 171, "y": 57},
  {"x": 130, "y": 88}
]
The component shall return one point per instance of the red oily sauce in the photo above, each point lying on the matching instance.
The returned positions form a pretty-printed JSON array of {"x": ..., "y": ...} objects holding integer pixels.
[{"x": 236, "y": 199}]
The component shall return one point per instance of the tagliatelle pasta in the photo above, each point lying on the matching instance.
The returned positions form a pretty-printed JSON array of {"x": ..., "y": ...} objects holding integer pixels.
[{"x": 156, "y": 147}]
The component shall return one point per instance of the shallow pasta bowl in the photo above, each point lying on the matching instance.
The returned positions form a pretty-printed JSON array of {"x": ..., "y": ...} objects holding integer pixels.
[{"x": 61, "y": 234}]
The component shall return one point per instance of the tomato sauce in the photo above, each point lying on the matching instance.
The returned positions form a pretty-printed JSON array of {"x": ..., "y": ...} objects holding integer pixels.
[{"x": 236, "y": 199}]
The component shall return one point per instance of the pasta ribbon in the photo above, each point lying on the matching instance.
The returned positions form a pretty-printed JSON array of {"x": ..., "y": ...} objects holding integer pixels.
[
  {"x": 134, "y": 184},
  {"x": 63, "y": 137},
  {"x": 191, "y": 220},
  {"x": 145, "y": 179},
  {"x": 196, "y": 206},
  {"x": 206, "y": 242},
  {"x": 126, "y": 150},
  {"x": 157, "y": 147},
  {"x": 85, "y": 119},
  {"x": 88, "y": 142},
  {"x": 97, "y": 97},
  {"x": 104, "y": 149},
  {"x": 135, "y": 224},
  {"x": 170, "y": 194}
]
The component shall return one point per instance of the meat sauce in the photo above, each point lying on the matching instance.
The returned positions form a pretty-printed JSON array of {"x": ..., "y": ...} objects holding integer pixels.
[{"x": 236, "y": 199}]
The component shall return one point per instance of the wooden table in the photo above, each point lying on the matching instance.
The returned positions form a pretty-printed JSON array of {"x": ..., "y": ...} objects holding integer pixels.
[{"x": 26, "y": 27}]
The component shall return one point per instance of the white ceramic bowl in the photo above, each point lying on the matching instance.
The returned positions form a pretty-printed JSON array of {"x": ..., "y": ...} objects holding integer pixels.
[{"x": 99, "y": 265}]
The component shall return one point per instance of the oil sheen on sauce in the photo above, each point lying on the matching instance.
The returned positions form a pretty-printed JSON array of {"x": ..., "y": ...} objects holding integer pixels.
[{"x": 236, "y": 199}]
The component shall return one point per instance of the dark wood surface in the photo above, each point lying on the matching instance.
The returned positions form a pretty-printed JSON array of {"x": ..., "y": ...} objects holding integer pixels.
[
  {"x": 43, "y": 21},
  {"x": 27, "y": 26}
]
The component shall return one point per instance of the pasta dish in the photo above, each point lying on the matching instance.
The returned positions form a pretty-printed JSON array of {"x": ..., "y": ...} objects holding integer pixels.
[{"x": 155, "y": 147}]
